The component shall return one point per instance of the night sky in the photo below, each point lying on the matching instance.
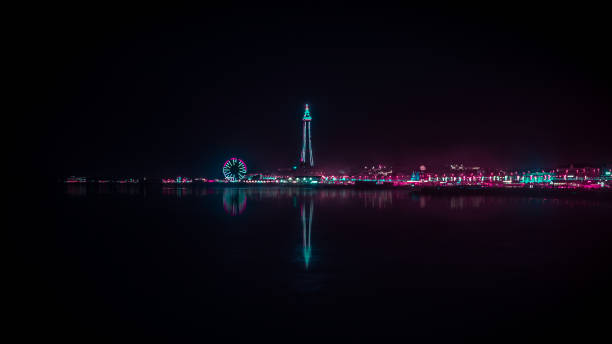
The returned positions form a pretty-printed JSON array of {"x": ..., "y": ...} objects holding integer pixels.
[{"x": 176, "y": 91}]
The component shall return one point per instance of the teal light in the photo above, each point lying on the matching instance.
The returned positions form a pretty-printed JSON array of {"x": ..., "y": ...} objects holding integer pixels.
[
  {"x": 307, "y": 114},
  {"x": 306, "y": 230},
  {"x": 307, "y": 254}
]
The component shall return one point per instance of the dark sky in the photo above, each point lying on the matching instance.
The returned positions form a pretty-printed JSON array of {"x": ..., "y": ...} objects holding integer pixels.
[{"x": 166, "y": 91}]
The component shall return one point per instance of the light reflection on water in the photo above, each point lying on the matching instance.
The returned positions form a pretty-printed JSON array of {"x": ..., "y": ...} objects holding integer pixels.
[
  {"x": 381, "y": 199},
  {"x": 358, "y": 254},
  {"x": 177, "y": 191},
  {"x": 306, "y": 211},
  {"x": 235, "y": 199}
]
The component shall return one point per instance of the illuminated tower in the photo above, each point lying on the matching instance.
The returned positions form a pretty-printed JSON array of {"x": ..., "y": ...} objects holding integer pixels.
[{"x": 306, "y": 159}]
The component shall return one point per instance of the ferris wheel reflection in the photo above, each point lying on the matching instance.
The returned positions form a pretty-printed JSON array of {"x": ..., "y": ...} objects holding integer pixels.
[{"x": 234, "y": 201}]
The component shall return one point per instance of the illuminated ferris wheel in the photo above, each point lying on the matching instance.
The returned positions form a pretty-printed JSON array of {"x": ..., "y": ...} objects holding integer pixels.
[{"x": 234, "y": 169}]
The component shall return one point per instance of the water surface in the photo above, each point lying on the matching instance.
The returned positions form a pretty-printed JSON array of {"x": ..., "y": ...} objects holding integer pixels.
[{"x": 204, "y": 262}]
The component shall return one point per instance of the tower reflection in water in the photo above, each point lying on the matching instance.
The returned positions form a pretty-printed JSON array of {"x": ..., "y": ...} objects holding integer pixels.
[
  {"x": 234, "y": 201},
  {"x": 306, "y": 210}
]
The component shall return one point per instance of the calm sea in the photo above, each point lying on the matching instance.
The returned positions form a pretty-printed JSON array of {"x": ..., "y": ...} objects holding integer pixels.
[{"x": 197, "y": 263}]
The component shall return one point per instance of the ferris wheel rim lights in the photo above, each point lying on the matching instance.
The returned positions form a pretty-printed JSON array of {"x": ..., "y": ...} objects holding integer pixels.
[{"x": 234, "y": 176}]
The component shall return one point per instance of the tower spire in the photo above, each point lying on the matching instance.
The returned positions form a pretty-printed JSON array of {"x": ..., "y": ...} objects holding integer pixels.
[{"x": 307, "y": 114}]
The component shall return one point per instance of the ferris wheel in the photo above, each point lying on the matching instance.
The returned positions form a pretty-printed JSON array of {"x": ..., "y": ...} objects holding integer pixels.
[{"x": 234, "y": 169}]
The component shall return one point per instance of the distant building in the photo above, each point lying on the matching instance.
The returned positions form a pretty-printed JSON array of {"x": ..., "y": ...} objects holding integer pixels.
[
  {"x": 460, "y": 167},
  {"x": 73, "y": 179},
  {"x": 379, "y": 170},
  {"x": 579, "y": 173},
  {"x": 260, "y": 176}
]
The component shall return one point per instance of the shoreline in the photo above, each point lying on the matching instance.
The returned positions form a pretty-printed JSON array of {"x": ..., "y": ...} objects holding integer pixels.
[{"x": 598, "y": 194}]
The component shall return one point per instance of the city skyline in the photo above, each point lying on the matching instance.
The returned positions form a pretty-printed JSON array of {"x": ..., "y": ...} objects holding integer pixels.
[
  {"x": 306, "y": 161},
  {"x": 178, "y": 92}
]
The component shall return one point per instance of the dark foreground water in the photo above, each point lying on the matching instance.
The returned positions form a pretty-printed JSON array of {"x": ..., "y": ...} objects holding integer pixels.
[{"x": 122, "y": 263}]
